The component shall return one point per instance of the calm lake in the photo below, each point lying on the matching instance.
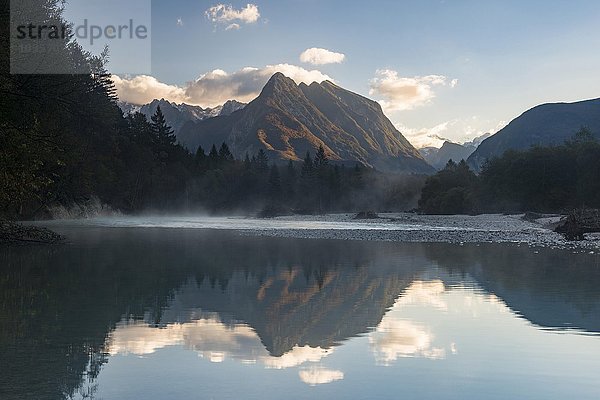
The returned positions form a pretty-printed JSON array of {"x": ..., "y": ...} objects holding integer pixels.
[{"x": 151, "y": 313}]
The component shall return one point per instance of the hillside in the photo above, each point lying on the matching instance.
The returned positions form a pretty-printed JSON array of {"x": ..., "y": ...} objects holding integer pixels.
[{"x": 544, "y": 125}]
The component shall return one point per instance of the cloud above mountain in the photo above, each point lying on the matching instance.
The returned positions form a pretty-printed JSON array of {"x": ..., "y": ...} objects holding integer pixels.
[
  {"x": 221, "y": 14},
  {"x": 318, "y": 56},
  {"x": 143, "y": 89},
  {"x": 398, "y": 93},
  {"x": 212, "y": 88},
  {"x": 458, "y": 130}
]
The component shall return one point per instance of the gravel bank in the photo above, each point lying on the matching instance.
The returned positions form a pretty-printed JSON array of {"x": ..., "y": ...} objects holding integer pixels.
[
  {"x": 459, "y": 229},
  {"x": 491, "y": 228}
]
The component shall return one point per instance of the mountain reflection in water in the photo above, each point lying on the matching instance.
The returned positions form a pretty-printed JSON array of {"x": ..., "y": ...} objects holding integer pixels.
[{"x": 70, "y": 312}]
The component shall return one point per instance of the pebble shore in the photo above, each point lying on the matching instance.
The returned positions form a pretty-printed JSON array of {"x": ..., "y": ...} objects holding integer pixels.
[{"x": 458, "y": 229}]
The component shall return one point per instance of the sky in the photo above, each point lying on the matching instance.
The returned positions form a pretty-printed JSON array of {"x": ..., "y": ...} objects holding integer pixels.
[{"x": 441, "y": 69}]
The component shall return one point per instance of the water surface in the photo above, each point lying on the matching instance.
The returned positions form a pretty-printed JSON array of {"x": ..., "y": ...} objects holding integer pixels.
[{"x": 150, "y": 313}]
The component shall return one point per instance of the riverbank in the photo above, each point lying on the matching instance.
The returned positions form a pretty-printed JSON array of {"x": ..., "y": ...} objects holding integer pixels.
[
  {"x": 397, "y": 227},
  {"x": 15, "y": 233},
  {"x": 457, "y": 229}
]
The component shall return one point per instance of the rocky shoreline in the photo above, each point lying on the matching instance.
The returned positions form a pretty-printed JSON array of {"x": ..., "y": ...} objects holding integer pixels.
[
  {"x": 15, "y": 233},
  {"x": 397, "y": 227}
]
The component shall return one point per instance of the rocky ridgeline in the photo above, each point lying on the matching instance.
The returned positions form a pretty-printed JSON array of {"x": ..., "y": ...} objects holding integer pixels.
[{"x": 11, "y": 232}]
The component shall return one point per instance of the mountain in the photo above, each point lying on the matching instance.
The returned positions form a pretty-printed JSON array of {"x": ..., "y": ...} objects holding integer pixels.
[
  {"x": 228, "y": 108},
  {"x": 178, "y": 114},
  {"x": 474, "y": 144},
  {"x": 288, "y": 120},
  {"x": 438, "y": 158},
  {"x": 547, "y": 124}
]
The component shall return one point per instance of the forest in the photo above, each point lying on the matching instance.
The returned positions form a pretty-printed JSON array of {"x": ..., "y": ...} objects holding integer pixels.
[{"x": 551, "y": 179}]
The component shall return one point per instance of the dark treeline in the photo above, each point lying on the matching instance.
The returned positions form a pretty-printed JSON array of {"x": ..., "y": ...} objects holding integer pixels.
[
  {"x": 542, "y": 179},
  {"x": 64, "y": 140},
  {"x": 312, "y": 186}
]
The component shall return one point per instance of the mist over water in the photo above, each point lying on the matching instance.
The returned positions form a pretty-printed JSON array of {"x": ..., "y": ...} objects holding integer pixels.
[{"x": 127, "y": 313}]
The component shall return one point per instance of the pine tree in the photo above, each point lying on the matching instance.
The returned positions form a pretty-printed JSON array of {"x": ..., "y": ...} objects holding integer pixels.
[
  {"x": 289, "y": 181},
  {"x": 291, "y": 171},
  {"x": 307, "y": 166},
  {"x": 274, "y": 183},
  {"x": 306, "y": 192},
  {"x": 450, "y": 165},
  {"x": 225, "y": 156},
  {"x": 321, "y": 162},
  {"x": 164, "y": 134},
  {"x": 321, "y": 167},
  {"x": 213, "y": 157},
  {"x": 201, "y": 159},
  {"x": 262, "y": 161},
  {"x": 336, "y": 180}
]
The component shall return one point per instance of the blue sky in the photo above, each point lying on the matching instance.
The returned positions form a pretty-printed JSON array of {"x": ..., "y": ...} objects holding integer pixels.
[{"x": 449, "y": 68}]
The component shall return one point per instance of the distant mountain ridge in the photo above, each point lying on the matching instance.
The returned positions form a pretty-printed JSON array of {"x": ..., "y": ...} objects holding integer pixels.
[
  {"x": 178, "y": 114},
  {"x": 438, "y": 158},
  {"x": 288, "y": 120},
  {"x": 544, "y": 125}
]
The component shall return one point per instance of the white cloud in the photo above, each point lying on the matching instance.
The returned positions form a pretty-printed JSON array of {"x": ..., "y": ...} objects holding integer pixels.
[
  {"x": 216, "y": 342},
  {"x": 458, "y": 130},
  {"x": 143, "y": 89},
  {"x": 180, "y": 22},
  {"x": 318, "y": 375},
  {"x": 398, "y": 93},
  {"x": 226, "y": 14},
  {"x": 234, "y": 27},
  {"x": 317, "y": 56},
  {"x": 212, "y": 88},
  {"x": 396, "y": 339},
  {"x": 425, "y": 137},
  {"x": 297, "y": 356},
  {"x": 426, "y": 293}
]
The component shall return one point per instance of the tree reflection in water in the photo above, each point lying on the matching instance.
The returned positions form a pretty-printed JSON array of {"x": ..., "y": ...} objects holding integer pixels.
[{"x": 279, "y": 302}]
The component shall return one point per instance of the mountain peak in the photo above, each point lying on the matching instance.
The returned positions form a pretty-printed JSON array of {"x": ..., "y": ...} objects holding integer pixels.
[
  {"x": 278, "y": 75},
  {"x": 289, "y": 120},
  {"x": 279, "y": 78},
  {"x": 278, "y": 83}
]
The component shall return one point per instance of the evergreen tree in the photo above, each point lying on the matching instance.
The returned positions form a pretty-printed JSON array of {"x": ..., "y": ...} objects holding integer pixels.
[
  {"x": 582, "y": 137},
  {"x": 213, "y": 158},
  {"x": 262, "y": 161},
  {"x": 165, "y": 136},
  {"x": 336, "y": 180},
  {"x": 274, "y": 183},
  {"x": 307, "y": 196},
  {"x": 307, "y": 166},
  {"x": 321, "y": 162},
  {"x": 290, "y": 180},
  {"x": 201, "y": 159},
  {"x": 321, "y": 166},
  {"x": 225, "y": 156}
]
